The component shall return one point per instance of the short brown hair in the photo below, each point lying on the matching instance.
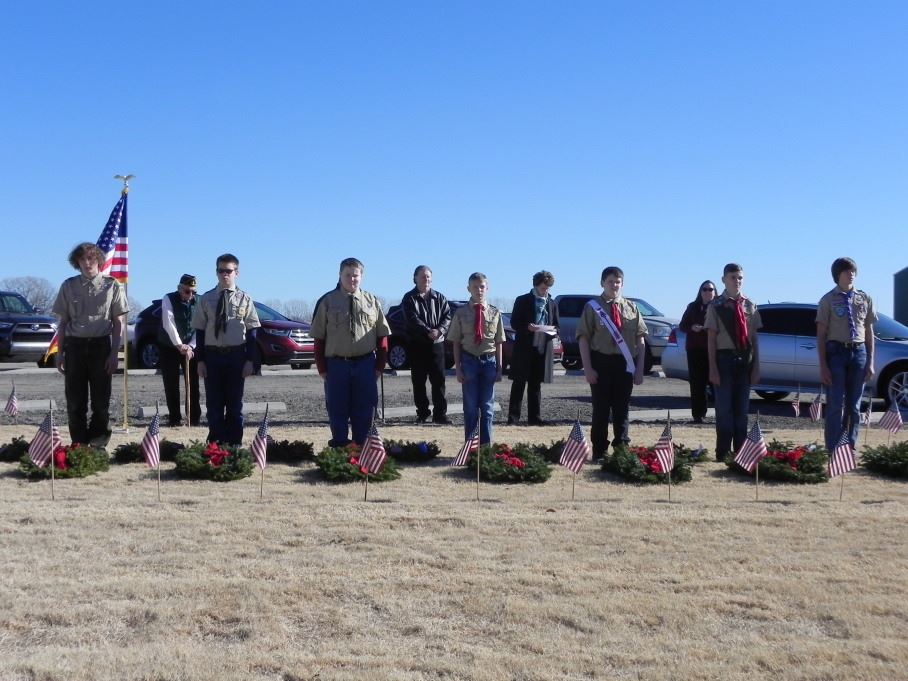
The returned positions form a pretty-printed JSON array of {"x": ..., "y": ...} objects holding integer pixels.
[
  {"x": 86, "y": 248},
  {"x": 544, "y": 277},
  {"x": 350, "y": 262},
  {"x": 840, "y": 265}
]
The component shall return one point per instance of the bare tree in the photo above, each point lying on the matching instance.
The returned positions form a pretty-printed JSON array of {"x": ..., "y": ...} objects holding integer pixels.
[
  {"x": 300, "y": 310},
  {"x": 503, "y": 304},
  {"x": 135, "y": 307},
  {"x": 36, "y": 290},
  {"x": 274, "y": 304}
]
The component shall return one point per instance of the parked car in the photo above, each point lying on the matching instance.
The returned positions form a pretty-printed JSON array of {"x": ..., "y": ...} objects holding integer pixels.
[
  {"x": 788, "y": 354},
  {"x": 398, "y": 357},
  {"x": 25, "y": 332},
  {"x": 570, "y": 307},
  {"x": 280, "y": 340}
]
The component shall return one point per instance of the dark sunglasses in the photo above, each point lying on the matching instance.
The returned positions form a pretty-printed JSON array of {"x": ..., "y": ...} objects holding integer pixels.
[
  {"x": 707, "y": 288},
  {"x": 224, "y": 270}
]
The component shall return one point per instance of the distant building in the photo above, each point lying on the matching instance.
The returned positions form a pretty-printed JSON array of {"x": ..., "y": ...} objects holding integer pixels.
[{"x": 900, "y": 296}]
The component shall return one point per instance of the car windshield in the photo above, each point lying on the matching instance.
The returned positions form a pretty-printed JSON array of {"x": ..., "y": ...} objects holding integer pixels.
[
  {"x": 266, "y": 314},
  {"x": 15, "y": 304},
  {"x": 887, "y": 328},
  {"x": 646, "y": 309}
]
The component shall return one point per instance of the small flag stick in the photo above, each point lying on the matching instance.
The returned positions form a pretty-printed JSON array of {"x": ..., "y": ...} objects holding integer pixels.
[
  {"x": 50, "y": 406},
  {"x": 757, "y": 472},
  {"x": 382, "y": 382},
  {"x": 668, "y": 474},
  {"x": 842, "y": 487},
  {"x": 157, "y": 410},
  {"x": 573, "y": 480},
  {"x": 366, "y": 487},
  {"x": 478, "y": 454}
]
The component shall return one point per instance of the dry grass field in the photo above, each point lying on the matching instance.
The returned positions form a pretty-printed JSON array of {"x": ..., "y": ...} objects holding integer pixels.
[{"x": 423, "y": 582}]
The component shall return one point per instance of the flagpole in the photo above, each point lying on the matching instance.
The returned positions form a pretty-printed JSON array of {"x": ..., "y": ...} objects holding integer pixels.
[
  {"x": 757, "y": 473},
  {"x": 123, "y": 192},
  {"x": 50, "y": 405},
  {"x": 842, "y": 486},
  {"x": 573, "y": 480},
  {"x": 366, "y": 487},
  {"x": 668, "y": 423}
]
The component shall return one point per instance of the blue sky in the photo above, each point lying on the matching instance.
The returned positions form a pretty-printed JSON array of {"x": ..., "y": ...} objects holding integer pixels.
[{"x": 665, "y": 137}]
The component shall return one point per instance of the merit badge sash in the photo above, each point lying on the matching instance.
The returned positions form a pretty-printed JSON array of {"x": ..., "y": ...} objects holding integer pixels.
[{"x": 615, "y": 333}]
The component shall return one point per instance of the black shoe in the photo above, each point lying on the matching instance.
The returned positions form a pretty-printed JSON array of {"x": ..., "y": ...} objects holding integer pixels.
[
  {"x": 537, "y": 422},
  {"x": 513, "y": 420},
  {"x": 175, "y": 423},
  {"x": 698, "y": 419},
  {"x": 442, "y": 420},
  {"x": 422, "y": 419},
  {"x": 195, "y": 424}
]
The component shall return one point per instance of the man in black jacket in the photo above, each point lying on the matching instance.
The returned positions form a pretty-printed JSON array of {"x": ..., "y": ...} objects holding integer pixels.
[
  {"x": 428, "y": 317},
  {"x": 533, "y": 319}
]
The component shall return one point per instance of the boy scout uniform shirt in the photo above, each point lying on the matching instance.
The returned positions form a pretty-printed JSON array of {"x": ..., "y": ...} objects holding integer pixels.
[
  {"x": 343, "y": 338},
  {"x": 724, "y": 339},
  {"x": 462, "y": 329},
  {"x": 833, "y": 312},
  {"x": 241, "y": 315},
  {"x": 600, "y": 340},
  {"x": 86, "y": 307}
]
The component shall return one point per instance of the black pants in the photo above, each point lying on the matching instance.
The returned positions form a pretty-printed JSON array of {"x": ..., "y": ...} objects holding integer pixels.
[
  {"x": 531, "y": 380},
  {"x": 171, "y": 361},
  {"x": 611, "y": 400},
  {"x": 428, "y": 361},
  {"x": 698, "y": 378},
  {"x": 85, "y": 366}
]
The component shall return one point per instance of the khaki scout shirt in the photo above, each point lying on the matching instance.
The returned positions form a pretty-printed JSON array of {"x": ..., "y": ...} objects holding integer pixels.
[
  {"x": 833, "y": 312},
  {"x": 241, "y": 316},
  {"x": 600, "y": 340},
  {"x": 332, "y": 323},
  {"x": 87, "y": 307},
  {"x": 463, "y": 324},
  {"x": 724, "y": 339}
]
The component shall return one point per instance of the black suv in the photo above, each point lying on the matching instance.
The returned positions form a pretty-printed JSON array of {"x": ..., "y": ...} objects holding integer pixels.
[{"x": 25, "y": 333}]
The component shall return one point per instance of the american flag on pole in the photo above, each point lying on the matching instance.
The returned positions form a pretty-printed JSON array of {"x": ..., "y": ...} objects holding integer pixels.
[
  {"x": 151, "y": 446},
  {"x": 470, "y": 445},
  {"x": 796, "y": 405},
  {"x": 753, "y": 449},
  {"x": 12, "y": 404},
  {"x": 865, "y": 414},
  {"x": 665, "y": 450},
  {"x": 115, "y": 243},
  {"x": 816, "y": 408},
  {"x": 46, "y": 440},
  {"x": 260, "y": 443},
  {"x": 841, "y": 460},
  {"x": 373, "y": 456},
  {"x": 892, "y": 419},
  {"x": 576, "y": 450}
]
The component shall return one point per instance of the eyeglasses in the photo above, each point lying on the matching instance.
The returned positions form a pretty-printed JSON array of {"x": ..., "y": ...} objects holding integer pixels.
[
  {"x": 707, "y": 288},
  {"x": 225, "y": 270}
]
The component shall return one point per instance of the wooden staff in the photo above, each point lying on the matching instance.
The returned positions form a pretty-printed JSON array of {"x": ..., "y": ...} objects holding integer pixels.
[{"x": 186, "y": 385}]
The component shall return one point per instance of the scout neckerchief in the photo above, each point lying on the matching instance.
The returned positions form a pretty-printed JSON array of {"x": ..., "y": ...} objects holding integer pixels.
[
  {"x": 849, "y": 297},
  {"x": 477, "y": 323},
  {"x": 220, "y": 321},
  {"x": 605, "y": 321}
]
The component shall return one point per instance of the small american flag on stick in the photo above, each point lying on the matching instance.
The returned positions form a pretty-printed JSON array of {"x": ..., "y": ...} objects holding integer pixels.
[
  {"x": 470, "y": 445},
  {"x": 816, "y": 408},
  {"x": 12, "y": 404},
  {"x": 665, "y": 449},
  {"x": 260, "y": 443},
  {"x": 46, "y": 440},
  {"x": 892, "y": 419},
  {"x": 796, "y": 404},
  {"x": 151, "y": 445},
  {"x": 753, "y": 449},
  {"x": 373, "y": 456},
  {"x": 841, "y": 460},
  {"x": 576, "y": 450}
]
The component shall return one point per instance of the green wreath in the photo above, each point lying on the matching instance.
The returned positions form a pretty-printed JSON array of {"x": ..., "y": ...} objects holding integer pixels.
[{"x": 213, "y": 462}]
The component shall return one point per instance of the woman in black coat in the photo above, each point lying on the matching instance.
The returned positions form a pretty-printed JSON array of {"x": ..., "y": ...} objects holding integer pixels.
[
  {"x": 533, "y": 312},
  {"x": 695, "y": 344}
]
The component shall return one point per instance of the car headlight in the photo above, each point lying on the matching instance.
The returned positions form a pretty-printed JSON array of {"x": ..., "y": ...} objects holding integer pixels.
[
  {"x": 661, "y": 331},
  {"x": 277, "y": 332},
  {"x": 5, "y": 325}
]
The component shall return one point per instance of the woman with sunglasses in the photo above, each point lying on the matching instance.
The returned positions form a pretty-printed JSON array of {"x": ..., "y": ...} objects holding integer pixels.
[{"x": 695, "y": 344}]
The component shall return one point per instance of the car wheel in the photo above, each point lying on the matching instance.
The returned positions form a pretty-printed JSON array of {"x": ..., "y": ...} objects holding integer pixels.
[
  {"x": 149, "y": 355},
  {"x": 571, "y": 363},
  {"x": 896, "y": 391},
  {"x": 397, "y": 356},
  {"x": 772, "y": 395}
]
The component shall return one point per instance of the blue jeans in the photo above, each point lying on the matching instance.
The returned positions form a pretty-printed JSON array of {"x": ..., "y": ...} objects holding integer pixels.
[
  {"x": 351, "y": 393},
  {"x": 732, "y": 401},
  {"x": 478, "y": 394},
  {"x": 224, "y": 385},
  {"x": 843, "y": 400}
]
